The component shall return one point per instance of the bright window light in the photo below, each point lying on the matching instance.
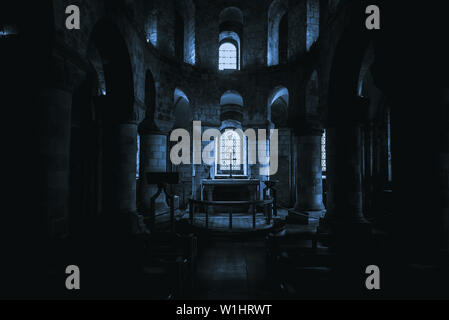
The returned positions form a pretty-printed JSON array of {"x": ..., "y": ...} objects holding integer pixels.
[{"x": 228, "y": 57}]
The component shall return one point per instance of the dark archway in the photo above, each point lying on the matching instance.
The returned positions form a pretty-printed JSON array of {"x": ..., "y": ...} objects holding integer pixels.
[
  {"x": 112, "y": 48},
  {"x": 102, "y": 131}
]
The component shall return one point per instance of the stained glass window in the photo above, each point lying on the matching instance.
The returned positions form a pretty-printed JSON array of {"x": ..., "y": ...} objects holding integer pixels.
[
  {"x": 228, "y": 57},
  {"x": 231, "y": 157},
  {"x": 230, "y": 151},
  {"x": 323, "y": 152}
]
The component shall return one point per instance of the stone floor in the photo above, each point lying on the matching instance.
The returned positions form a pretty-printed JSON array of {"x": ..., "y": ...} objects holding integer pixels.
[
  {"x": 232, "y": 267},
  {"x": 232, "y": 270}
]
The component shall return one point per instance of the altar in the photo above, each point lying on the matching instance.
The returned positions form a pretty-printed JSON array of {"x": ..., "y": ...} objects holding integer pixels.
[
  {"x": 231, "y": 205},
  {"x": 208, "y": 186},
  {"x": 231, "y": 190}
]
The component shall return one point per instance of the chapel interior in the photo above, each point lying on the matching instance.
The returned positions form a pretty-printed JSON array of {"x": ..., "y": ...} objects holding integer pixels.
[{"x": 357, "y": 121}]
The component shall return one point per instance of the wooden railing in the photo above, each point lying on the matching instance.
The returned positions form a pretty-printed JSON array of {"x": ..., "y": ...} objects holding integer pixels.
[{"x": 268, "y": 206}]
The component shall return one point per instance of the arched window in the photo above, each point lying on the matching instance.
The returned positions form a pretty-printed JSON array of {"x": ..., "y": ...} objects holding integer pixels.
[
  {"x": 230, "y": 154},
  {"x": 228, "y": 56},
  {"x": 231, "y": 148},
  {"x": 231, "y": 31}
]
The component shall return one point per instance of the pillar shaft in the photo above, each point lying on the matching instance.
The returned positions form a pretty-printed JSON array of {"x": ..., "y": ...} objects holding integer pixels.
[
  {"x": 55, "y": 154},
  {"x": 153, "y": 148},
  {"x": 118, "y": 190},
  {"x": 309, "y": 196},
  {"x": 344, "y": 174},
  {"x": 349, "y": 174},
  {"x": 126, "y": 169}
]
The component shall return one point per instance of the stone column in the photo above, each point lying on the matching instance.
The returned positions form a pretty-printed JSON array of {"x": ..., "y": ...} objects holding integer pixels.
[
  {"x": 55, "y": 153},
  {"x": 309, "y": 197},
  {"x": 347, "y": 186},
  {"x": 153, "y": 149},
  {"x": 119, "y": 178},
  {"x": 126, "y": 170},
  {"x": 344, "y": 177}
]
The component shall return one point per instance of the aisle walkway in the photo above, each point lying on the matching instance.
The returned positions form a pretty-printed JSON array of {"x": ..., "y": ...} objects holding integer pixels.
[{"x": 232, "y": 269}]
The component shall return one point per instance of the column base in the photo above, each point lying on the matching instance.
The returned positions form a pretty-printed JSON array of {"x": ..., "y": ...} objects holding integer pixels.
[{"x": 296, "y": 216}]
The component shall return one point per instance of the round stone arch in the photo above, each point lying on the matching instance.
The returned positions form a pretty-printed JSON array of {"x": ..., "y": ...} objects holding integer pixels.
[
  {"x": 232, "y": 106},
  {"x": 231, "y": 13},
  {"x": 112, "y": 48},
  {"x": 115, "y": 107},
  {"x": 280, "y": 94}
]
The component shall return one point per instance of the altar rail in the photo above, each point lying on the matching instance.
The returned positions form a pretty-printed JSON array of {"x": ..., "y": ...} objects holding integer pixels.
[{"x": 268, "y": 206}]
